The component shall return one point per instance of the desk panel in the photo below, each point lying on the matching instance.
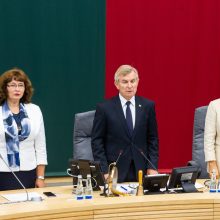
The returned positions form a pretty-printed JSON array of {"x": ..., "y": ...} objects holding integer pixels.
[{"x": 65, "y": 206}]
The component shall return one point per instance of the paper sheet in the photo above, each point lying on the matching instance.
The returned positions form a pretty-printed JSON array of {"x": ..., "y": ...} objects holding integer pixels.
[
  {"x": 127, "y": 188},
  {"x": 20, "y": 196}
]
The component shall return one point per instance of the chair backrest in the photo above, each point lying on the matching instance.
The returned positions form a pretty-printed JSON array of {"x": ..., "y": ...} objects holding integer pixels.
[
  {"x": 82, "y": 135},
  {"x": 198, "y": 140}
]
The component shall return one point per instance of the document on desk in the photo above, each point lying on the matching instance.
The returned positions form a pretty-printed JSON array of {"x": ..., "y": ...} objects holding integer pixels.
[
  {"x": 20, "y": 197},
  {"x": 127, "y": 188},
  {"x": 199, "y": 185}
]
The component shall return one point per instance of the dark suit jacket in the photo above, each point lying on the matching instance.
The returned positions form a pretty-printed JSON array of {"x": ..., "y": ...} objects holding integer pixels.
[{"x": 110, "y": 135}]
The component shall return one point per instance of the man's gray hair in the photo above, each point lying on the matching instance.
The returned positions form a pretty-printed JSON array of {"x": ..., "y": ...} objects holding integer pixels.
[{"x": 124, "y": 70}]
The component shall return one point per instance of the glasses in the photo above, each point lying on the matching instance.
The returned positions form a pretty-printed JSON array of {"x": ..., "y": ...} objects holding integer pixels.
[{"x": 14, "y": 86}]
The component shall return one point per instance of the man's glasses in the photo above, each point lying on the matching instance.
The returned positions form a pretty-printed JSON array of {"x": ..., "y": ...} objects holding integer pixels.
[{"x": 14, "y": 86}]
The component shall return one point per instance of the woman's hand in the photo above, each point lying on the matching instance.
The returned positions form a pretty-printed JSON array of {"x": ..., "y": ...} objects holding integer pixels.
[
  {"x": 40, "y": 176},
  {"x": 39, "y": 183},
  {"x": 213, "y": 166}
]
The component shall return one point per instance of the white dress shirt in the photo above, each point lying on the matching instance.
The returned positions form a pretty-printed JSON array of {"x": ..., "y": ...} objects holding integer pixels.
[{"x": 132, "y": 107}]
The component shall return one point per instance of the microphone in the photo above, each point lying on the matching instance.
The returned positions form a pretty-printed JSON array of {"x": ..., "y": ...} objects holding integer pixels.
[
  {"x": 143, "y": 154},
  {"x": 113, "y": 178},
  {"x": 38, "y": 198},
  {"x": 119, "y": 155}
]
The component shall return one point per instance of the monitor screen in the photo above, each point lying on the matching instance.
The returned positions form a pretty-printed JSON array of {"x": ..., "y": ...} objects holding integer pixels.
[
  {"x": 84, "y": 167},
  {"x": 153, "y": 183},
  {"x": 184, "y": 177}
]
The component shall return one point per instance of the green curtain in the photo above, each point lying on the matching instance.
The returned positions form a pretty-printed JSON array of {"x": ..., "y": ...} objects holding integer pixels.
[{"x": 61, "y": 46}]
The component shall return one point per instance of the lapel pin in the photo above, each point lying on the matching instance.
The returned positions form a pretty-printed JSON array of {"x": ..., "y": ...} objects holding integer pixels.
[{"x": 139, "y": 106}]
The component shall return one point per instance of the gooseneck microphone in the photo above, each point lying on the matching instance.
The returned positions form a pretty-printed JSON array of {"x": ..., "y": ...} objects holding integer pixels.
[
  {"x": 16, "y": 177},
  {"x": 113, "y": 178},
  {"x": 143, "y": 154},
  {"x": 119, "y": 155}
]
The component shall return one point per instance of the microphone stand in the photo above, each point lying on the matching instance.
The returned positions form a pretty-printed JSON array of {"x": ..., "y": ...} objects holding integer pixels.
[
  {"x": 143, "y": 154},
  {"x": 112, "y": 177},
  {"x": 112, "y": 180},
  {"x": 28, "y": 199}
]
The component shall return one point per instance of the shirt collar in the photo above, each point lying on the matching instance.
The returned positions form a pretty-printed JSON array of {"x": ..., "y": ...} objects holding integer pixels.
[{"x": 123, "y": 100}]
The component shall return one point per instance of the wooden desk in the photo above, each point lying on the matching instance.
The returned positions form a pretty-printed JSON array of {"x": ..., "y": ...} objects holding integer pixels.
[{"x": 64, "y": 206}]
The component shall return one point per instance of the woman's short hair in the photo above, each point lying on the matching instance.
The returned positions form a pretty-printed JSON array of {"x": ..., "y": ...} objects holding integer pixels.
[
  {"x": 124, "y": 70},
  {"x": 18, "y": 75}
]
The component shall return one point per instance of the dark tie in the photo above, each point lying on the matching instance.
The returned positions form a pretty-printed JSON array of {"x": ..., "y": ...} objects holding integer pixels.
[{"x": 129, "y": 117}]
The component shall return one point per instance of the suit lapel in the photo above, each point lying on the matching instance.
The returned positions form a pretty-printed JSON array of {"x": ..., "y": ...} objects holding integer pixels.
[
  {"x": 120, "y": 113},
  {"x": 139, "y": 109}
]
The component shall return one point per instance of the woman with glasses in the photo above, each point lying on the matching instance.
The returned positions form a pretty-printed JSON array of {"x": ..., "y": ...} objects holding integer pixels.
[{"x": 22, "y": 136}]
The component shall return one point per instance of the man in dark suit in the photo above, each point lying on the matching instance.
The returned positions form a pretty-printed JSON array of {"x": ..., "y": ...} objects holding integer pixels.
[{"x": 126, "y": 124}]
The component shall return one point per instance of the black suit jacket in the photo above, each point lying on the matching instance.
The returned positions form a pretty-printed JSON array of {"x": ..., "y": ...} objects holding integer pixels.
[{"x": 110, "y": 135}]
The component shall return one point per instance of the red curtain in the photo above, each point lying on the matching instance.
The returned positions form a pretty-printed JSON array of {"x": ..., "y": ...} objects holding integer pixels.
[{"x": 175, "y": 45}]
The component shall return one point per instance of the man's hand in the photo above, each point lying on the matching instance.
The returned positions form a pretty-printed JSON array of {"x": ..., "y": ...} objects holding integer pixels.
[
  {"x": 151, "y": 172},
  {"x": 106, "y": 176}
]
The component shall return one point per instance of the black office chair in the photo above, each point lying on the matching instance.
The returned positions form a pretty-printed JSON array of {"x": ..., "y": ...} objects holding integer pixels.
[
  {"x": 82, "y": 135},
  {"x": 198, "y": 156}
]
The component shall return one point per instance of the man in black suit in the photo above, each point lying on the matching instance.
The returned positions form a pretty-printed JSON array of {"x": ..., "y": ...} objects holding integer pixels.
[{"x": 126, "y": 124}]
